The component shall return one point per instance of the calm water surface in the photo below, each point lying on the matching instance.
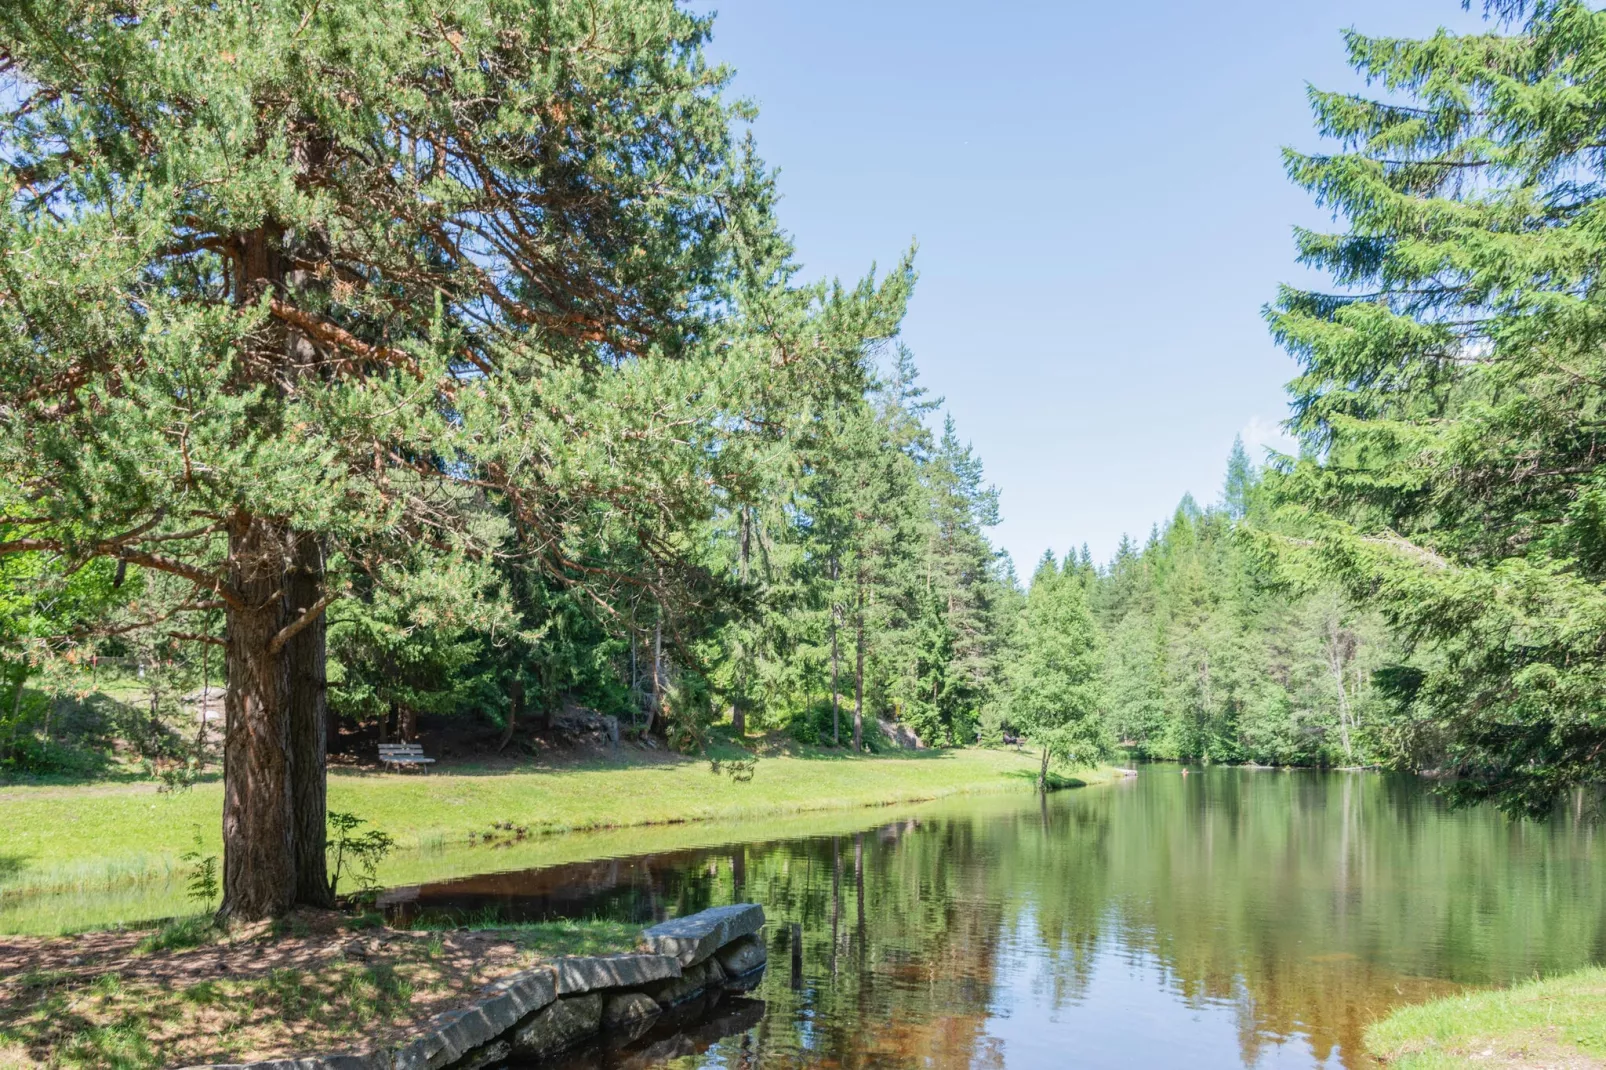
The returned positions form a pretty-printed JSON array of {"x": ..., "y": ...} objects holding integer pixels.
[{"x": 1228, "y": 918}]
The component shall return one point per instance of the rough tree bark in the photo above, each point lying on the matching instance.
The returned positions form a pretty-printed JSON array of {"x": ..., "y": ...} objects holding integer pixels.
[
  {"x": 836, "y": 693},
  {"x": 858, "y": 677},
  {"x": 259, "y": 871},
  {"x": 515, "y": 699},
  {"x": 275, "y": 751},
  {"x": 657, "y": 706},
  {"x": 304, "y": 664}
]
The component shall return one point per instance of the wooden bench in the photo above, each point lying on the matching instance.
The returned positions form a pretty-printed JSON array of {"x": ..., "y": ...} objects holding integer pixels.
[{"x": 403, "y": 754}]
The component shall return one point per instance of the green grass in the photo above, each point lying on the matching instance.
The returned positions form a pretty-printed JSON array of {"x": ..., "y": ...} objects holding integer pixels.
[
  {"x": 1559, "y": 1021},
  {"x": 309, "y": 995},
  {"x": 592, "y": 936},
  {"x": 127, "y": 839}
]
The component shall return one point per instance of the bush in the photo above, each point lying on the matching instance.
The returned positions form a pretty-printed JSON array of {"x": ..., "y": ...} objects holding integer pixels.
[{"x": 29, "y": 755}]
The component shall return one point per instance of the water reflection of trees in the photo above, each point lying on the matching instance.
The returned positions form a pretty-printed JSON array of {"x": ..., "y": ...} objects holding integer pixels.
[{"x": 1308, "y": 905}]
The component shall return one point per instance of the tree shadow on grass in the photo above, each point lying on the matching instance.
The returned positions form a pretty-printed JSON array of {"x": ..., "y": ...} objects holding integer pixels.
[
  {"x": 1056, "y": 781},
  {"x": 629, "y": 756},
  {"x": 10, "y": 866}
]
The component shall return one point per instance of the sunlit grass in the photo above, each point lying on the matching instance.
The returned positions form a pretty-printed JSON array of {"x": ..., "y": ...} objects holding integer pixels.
[
  {"x": 72, "y": 858},
  {"x": 1559, "y": 1021}
]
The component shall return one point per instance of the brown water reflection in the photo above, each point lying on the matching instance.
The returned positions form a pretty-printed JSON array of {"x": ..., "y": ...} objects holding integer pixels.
[{"x": 1231, "y": 918}]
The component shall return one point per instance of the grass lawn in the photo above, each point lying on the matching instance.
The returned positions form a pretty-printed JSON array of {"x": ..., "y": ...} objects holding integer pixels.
[
  {"x": 1557, "y": 1022},
  {"x": 66, "y": 839}
]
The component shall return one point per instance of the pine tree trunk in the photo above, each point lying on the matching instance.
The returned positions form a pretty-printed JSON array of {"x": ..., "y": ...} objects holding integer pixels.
[
  {"x": 206, "y": 695},
  {"x": 657, "y": 676},
  {"x": 515, "y": 700},
  {"x": 836, "y": 692},
  {"x": 259, "y": 871},
  {"x": 276, "y": 742},
  {"x": 305, "y": 669},
  {"x": 738, "y": 719},
  {"x": 858, "y": 678},
  {"x": 1042, "y": 773}
]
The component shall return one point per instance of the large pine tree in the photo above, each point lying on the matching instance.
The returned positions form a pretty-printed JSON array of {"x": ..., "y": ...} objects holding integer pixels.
[{"x": 301, "y": 297}]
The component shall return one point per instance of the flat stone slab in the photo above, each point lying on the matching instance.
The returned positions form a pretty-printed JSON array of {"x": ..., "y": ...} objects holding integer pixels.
[
  {"x": 692, "y": 939},
  {"x": 496, "y": 1011},
  {"x": 632, "y": 970},
  {"x": 316, "y": 1062}
]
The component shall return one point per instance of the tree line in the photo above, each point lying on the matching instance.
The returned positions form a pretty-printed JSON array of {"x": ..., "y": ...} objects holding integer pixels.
[
  {"x": 449, "y": 361},
  {"x": 429, "y": 361}
]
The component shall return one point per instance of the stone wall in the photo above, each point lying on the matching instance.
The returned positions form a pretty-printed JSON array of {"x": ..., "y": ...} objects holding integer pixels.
[{"x": 547, "y": 1010}]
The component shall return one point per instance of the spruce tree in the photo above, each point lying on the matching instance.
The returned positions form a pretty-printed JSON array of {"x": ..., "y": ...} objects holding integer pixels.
[
  {"x": 1240, "y": 481},
  {"x": 1451, "y": 387}
]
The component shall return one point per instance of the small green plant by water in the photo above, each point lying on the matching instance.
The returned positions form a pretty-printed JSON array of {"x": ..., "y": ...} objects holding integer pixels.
[
  {"x": 357, "y": 854},
  {"x": 202, "y": 883}
]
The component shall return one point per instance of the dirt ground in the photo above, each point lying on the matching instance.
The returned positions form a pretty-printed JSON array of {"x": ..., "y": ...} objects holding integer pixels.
[{"x": 192, "y": 994}]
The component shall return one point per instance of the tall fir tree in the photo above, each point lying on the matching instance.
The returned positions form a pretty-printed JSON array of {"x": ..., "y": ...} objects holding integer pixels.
[{"x": 1451, "y": 387}]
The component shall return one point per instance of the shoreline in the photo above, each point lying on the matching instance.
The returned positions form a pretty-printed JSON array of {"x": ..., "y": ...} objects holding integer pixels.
[
  {"x": 436, "y": 820},
  {"x": 1554, "y": 1021}
]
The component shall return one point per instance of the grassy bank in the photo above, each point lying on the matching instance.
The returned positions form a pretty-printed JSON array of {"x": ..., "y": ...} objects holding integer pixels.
[
  {"x": 85, "y": 838},
  {"x": 1560, "y": 1021}
]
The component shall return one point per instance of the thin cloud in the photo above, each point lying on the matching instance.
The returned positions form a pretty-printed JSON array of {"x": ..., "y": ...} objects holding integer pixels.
[{"x": 1261, "y": 434}]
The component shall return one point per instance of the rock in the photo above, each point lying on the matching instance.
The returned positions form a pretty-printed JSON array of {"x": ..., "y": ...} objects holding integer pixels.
[
  {"x": 715, "y": 974},
  {"x": 318, "y": 1062},
  {"x": 692, "y": 939},
  {"x": 585, "y": 973},
  {"x": 628, "y": 1007},
  {"x": 900, "y": 735},
  {"x": 494, "y": 1052},
  {"x": 690, "y": 983},
  {"x": 512, "y": 999},
  {"x": 458, "y": 1033},
  {"x": 560, "y": 1025},
  {"x": 626, "y": 1016},
  {"x": 577, "y": 722},
  {"x": 742, "y": 956}
]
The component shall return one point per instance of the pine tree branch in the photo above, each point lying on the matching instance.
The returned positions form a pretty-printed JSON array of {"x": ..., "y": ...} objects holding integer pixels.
[{"x": 295, "y": 627}]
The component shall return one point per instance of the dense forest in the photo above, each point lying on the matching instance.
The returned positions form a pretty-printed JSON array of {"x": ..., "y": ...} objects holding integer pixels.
[
  {"x": 396, "y": 371},
  {"x": 1211, "y": 652}
]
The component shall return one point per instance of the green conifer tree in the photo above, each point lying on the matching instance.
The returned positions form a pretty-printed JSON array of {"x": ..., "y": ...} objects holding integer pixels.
[
  {"x": 1451, "y": 388},
  {"x": 300, "y": 295},
  {"x": 1055, "y": 684}
]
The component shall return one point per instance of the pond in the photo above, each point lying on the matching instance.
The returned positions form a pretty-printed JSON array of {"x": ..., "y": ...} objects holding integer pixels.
[{"x": 1224, "y": 918}]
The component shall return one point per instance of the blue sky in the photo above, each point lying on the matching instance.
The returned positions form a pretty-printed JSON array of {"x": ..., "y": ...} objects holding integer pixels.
[{"x": 1101, "y": 213}]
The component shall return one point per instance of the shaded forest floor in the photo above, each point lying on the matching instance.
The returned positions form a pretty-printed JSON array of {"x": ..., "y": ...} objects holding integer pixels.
[{"x": 189, "y": 993}]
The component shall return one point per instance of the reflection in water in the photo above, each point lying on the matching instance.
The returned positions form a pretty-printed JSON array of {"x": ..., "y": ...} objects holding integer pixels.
[{"x": 1230, "y": 918}]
